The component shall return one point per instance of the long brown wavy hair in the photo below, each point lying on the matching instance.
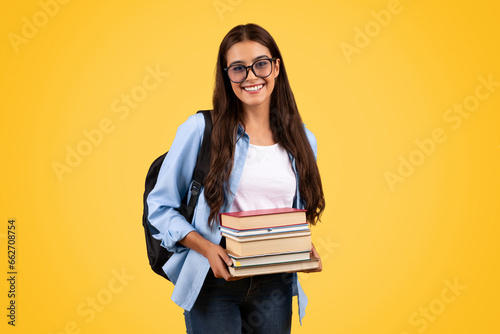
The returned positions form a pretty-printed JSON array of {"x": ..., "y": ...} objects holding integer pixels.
[{"x": 286, "y": 126}]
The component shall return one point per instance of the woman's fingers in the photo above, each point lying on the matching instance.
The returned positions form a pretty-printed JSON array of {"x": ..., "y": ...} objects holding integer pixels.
[
  {"x": 226, "y": 257},
  {"x": 220, "y": 270},
  {"x": 219, "y": 261},
  {"x": 315, "y": 255}
]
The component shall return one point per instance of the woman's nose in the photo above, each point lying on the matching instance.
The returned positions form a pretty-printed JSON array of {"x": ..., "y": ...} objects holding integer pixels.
[{"x": 251, "y": 75}]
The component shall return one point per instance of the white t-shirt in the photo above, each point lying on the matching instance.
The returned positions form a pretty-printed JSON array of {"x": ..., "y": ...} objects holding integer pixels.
[{"x": 267, "y": 181}]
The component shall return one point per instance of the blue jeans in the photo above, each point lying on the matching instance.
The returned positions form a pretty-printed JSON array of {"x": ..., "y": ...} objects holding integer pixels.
[{"x": 252, "y": 305}]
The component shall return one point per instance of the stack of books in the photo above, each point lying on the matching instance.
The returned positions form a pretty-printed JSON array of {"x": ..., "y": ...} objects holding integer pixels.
[{"x": 267, "y": 241}]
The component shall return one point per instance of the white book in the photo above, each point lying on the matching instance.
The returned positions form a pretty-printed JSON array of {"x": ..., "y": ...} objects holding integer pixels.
[{"x": 263, "y": 231}]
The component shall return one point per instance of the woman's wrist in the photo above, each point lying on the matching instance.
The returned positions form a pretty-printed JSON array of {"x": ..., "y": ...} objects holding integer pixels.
[{"x": 197, "y": 242}]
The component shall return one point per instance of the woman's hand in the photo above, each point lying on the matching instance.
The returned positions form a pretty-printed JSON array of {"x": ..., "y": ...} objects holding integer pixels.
[
  {"x": 218, "y": 259},
  {"x": 315, "y": 256},
  {"x": 215, "y": 254}
]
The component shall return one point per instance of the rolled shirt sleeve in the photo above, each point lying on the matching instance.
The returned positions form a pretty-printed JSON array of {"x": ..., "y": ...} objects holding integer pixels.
[
  {"x": 174, "y": 180},
  {"x": 312, "y": 141}
]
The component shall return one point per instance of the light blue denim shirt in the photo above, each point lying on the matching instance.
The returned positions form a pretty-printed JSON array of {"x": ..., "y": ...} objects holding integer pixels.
[{"x": 186, "y": 268}]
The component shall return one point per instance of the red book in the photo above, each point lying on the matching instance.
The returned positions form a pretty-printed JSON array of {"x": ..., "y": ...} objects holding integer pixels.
[{"x": 245, "y": 220}]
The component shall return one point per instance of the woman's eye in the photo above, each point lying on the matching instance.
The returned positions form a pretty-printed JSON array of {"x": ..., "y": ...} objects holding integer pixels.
[
  {"x": 261, "y": 63},
  {"x": 238, "y": 68}
]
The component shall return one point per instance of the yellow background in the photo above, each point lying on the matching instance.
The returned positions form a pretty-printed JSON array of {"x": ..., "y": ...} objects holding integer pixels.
[{"x": 388, "y": 253}]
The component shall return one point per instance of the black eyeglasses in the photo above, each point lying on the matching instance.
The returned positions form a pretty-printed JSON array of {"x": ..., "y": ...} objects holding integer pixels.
[{"x": 262, "y": 68}]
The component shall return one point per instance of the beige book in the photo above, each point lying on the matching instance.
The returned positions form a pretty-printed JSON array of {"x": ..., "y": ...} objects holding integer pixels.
[
  {"x": 285, "y": 242},
  {"x": 274, "y": 268}
]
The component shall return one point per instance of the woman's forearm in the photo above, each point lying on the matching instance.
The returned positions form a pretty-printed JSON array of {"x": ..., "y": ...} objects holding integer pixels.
[
  {"x": 196, "y": 242},
  {"x": 215, "y": 254}
]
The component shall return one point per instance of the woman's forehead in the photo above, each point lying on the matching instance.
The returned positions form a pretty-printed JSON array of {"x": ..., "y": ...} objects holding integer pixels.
[{"x": 246, "y": 51}]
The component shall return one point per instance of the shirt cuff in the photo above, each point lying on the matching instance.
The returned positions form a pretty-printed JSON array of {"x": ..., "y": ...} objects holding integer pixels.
[{"x": 176, "y": 231}]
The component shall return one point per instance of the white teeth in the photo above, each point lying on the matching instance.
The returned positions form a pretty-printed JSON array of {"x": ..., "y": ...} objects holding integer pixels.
[{"x": 253, "y": 88}]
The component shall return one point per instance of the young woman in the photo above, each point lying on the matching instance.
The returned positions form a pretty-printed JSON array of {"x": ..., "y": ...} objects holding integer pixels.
[{"x": 262, "y": 157}]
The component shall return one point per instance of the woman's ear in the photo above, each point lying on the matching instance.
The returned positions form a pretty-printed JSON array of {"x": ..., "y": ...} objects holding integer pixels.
[{"x": 277, "y": 68}]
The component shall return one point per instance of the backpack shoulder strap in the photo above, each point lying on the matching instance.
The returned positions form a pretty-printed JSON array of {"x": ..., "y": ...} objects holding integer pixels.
[{"x": 201, "y": 170}]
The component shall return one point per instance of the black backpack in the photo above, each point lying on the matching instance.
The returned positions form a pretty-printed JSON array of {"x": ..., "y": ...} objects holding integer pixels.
[{"x": 157, "y": 254}]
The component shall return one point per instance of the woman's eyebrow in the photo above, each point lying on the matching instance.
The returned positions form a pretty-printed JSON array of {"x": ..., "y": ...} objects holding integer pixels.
[{"x": 241, "y": 61}]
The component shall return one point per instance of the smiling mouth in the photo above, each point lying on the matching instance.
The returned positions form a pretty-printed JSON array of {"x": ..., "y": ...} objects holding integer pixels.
[{"x": 252, "y": 89}]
